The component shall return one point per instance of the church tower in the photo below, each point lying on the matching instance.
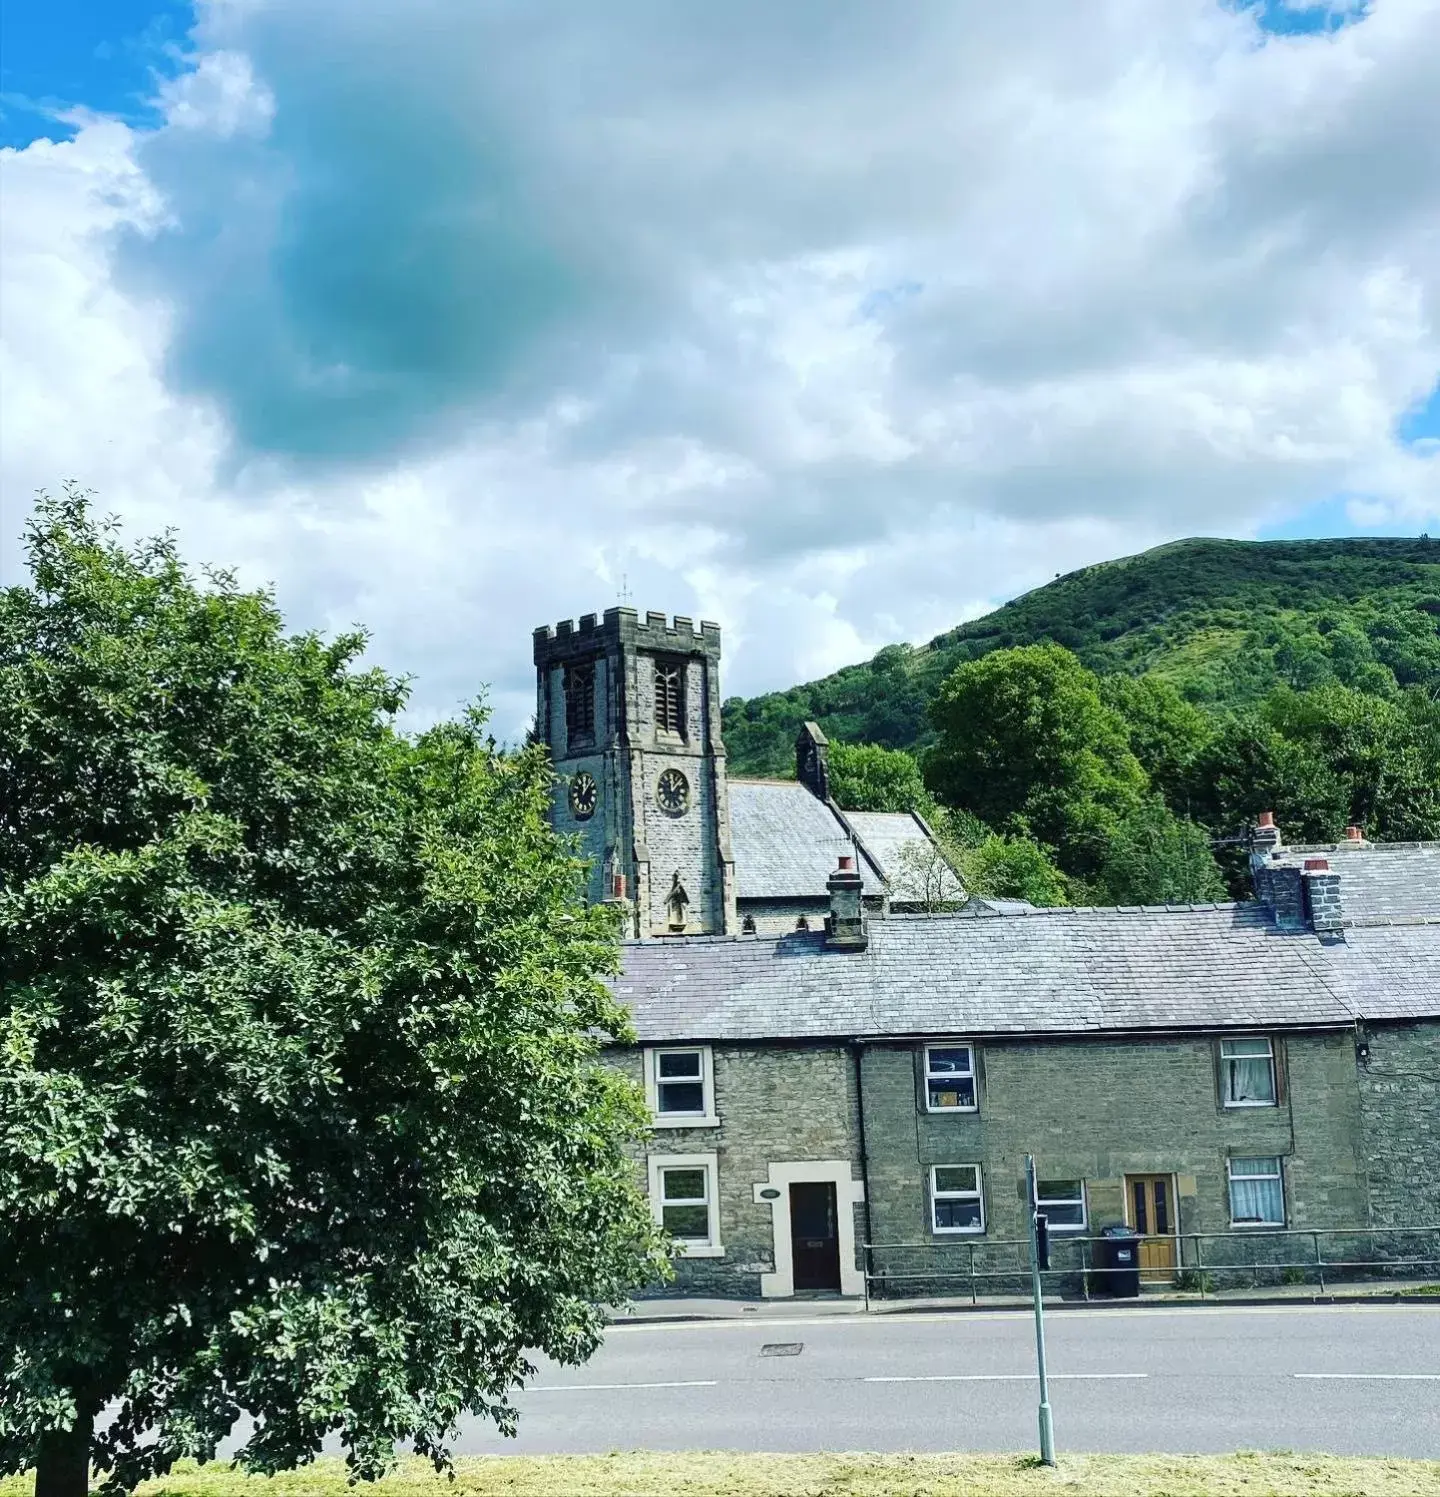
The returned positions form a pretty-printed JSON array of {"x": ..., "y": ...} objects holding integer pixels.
[{"x": 630, "y": 710}]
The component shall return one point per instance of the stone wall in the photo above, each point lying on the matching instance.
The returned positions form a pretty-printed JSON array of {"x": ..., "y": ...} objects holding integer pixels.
[
  {"x": 598, "y": 834},
  {"x": 1399, "y": 1086},
  {"x": 683, "y": 844}
]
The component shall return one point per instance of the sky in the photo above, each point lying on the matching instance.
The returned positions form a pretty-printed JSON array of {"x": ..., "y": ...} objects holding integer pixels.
[{"x": 833, "y": 322}]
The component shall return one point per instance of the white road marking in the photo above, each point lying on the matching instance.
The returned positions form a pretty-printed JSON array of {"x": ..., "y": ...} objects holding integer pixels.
[
  {"x": 1006, "y": 1377},
  {"x": 612, "y": 1387},
  {"x": 1389, "y": 1377}
]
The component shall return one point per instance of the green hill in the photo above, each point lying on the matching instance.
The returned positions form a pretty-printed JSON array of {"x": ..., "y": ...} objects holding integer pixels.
[{"x": 1225, "y": 621}]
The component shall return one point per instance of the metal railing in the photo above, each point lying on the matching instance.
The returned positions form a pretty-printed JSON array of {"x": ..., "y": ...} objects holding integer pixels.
[{"x": 1275, "y": 1253}]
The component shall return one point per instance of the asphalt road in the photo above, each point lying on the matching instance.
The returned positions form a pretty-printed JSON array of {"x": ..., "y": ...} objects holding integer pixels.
[{"x": 1358, "y": 1380}]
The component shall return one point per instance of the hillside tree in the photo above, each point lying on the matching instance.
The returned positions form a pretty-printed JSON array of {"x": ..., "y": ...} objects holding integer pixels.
[{"x": 1028, "y": 744}]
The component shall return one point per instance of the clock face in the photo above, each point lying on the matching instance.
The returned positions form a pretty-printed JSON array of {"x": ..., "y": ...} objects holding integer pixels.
[
  {"x": 672, "y": 790},
  {"x": 584, "y": 795}
]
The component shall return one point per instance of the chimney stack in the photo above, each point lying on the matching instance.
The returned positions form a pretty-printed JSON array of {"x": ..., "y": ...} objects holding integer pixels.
[
  {"x": 1265, "y": 835},
  {"x": 845, "y": 928},
  {"x": 1322, "y": 894}
]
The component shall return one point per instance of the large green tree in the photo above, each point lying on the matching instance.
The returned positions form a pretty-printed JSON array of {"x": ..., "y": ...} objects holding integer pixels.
[
  {"x": 1321, "y": 760},
  {"x": 1028, "y": 744},
  {"x": 301, "y": 1114}
]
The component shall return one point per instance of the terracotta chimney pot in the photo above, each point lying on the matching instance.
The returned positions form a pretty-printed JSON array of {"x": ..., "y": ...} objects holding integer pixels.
[
  {"x": 1267, "y": 818},
  {"x": 1317, "y": 865},
  {"x": 1355, "y": 833}
]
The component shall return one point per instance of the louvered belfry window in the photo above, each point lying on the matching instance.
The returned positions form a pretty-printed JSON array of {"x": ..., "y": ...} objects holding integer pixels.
[
  {"x": 669, "y": 696},
  {"x": 580, "y": 701}
]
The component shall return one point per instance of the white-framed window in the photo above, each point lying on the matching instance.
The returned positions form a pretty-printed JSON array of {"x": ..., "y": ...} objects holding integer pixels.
[
  {"x": 1247, "y": 1072},
  {"x": 680, "y": 1087},
  {"x": 950, "y": 1078},
  {"x": 956, "y": 1202},
  {"x": 1063, "y": 1202},
  {"x": 1257, "y": 1191},
  {"x": 685, "y": 1200}
]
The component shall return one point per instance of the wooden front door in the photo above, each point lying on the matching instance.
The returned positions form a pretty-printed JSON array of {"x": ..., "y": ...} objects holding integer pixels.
[
  {"x": 1150, "y": 1207},
  {"x": 815, "y": 1235}
]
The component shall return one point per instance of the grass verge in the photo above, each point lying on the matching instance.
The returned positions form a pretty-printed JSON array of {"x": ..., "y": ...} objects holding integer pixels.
[{"x": 726, "y": 1474}]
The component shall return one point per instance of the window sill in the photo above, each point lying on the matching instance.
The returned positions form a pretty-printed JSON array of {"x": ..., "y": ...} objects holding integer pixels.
[
  {"x": 957, "y": 1231},
  {"x": 1242, "y": 1106},
  {"x": 1257, "y": 1227},
  {"x": 942, "y": 1111},
  {"x": 708, "y": 1121},
  {"x": 701, "y": 1250}
]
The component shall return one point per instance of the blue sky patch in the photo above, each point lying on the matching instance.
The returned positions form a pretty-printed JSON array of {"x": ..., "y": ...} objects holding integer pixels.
[
  {"x": 1421, "y": 422},
  {"x": 101, "y": 55},
  {"x": 1291, "y": 19},
  {"x": 1327, "y": 517}
]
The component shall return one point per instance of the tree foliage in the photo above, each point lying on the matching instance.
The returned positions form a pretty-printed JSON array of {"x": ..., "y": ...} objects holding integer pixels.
[
  {"x": 1013, "y": 868},
  {"x": 300, "y": 1107},
  {"x": 1154, "y": 857},
  {"x": 1166, "y": 733},
  {"x": 1027, "y": 744},
  {"x": 867, "y": 777}
]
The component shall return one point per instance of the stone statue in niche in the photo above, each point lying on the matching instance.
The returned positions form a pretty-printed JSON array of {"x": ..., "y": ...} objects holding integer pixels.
[{"x": 676, "y": 903}]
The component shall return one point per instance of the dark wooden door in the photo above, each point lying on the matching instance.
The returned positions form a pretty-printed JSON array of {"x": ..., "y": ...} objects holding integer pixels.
[{"x": 815, "y": 1235}]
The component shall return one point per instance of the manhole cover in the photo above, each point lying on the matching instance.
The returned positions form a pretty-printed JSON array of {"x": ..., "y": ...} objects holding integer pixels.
[{"x": 782, "y": 1348}]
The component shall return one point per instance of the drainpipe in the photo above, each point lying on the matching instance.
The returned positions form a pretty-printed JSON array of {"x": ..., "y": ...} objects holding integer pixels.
[{"x": 857, "y": 1052}]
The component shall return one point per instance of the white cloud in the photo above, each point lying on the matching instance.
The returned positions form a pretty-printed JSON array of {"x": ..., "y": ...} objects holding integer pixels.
[{"x": 446, "y": 317}]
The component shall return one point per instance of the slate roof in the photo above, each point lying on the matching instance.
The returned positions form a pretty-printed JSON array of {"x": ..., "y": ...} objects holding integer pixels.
[
  {"x": 980, "y": 904},
  {"x": 1383, "y": 880},
  {"x": 787, "y": 842},
  {"x": 887, "y": 836},
  {"x": 1067, "y": 971}
]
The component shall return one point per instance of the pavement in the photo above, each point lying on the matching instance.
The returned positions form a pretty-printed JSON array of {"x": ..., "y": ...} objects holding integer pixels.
[
  {"x": 1356, "y": 1379},
  {"x": 679, "y": 1307}
]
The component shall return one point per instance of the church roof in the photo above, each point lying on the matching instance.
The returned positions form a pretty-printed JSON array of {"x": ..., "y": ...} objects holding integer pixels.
[
  {"x": 787, "y": 842},
  {"x": 908, "y": 856},
  {"x": 1057, "y": 971}
]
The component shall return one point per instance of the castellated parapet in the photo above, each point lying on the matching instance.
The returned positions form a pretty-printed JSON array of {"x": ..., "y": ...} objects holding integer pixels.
[{"x": 624, "y": 626}]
